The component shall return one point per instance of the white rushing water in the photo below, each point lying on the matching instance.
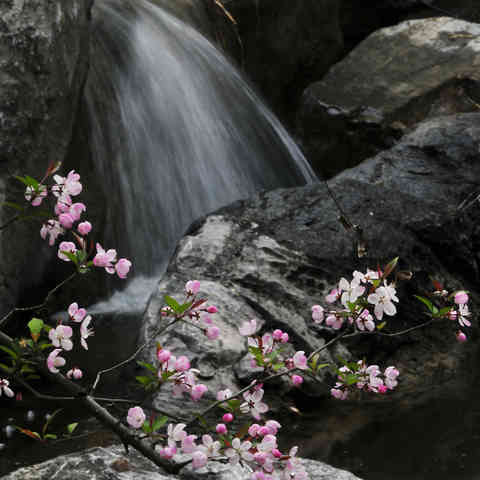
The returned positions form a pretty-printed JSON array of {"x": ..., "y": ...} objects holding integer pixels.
[{"x": 176, "y": 132}]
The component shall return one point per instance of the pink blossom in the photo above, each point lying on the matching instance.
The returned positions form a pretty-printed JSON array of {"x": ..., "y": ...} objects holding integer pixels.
[
  {"x": 248, "y": 328},
  {"x": 209, "y": 447},
  {"x": 334, "y": 321},
  {"x": 333, "y": 296},
  {"x": 66, "y": 247},
  {"x": 75, "y": 373},
  {"x": 67, "y": 186},
  {"x": 66, "y": 220},
  {"x": 176, "y": 433},
  {"x": 84, "y": 228},
  {"x": 197, "y": 391},
  {"x": 4, "y": 387},
  {"x": 461, "y": 337},
  {"x": 297, "y": 380},
  {"x": 273, "y": 426},
  {"x": 212, "y": 309},
  {"x": 76, "y": 314},
  {"x": 284, "y": 338},
  {"x": 461, "y": 297},
  {"x": 182, "y": 364},
  {"x": 317, "y": 313},
  {"x": 239, "y": 451},
  {"x": 253, "y": 404},
  {"x": 463, "y": 314},
  {"x": 383, "y": 299},
  {"x": 224, "y": 394},
  {"x": 122, "y": 267},
  {"x": 339, "y": 394},
  {"x": 35, "y": 196},
  {"x": 221, "y": 429},
  {"x": 277, "y": 335},
  {"x": 213, "y": 332},
  {"x": 262, "y": 431},
  {"x": 227, "y": 418},
  {"x": 163, "y": 355},
  {"x": 136, "y": 417},
  {"x": 54, "y": 361},
  {"x": 168, "y": 452},
  {"x": 60, "y": 337},
  {"x": 300, "y": 360},
  {"x": 105, "y": 258},
  {"x": 192, "y": 287},
  {"x": 365, "y": 321},
  {"x": 391, "y": 374},
  {"x": 53, "y": 229},
  {"x": 253, "y": 429},
  {"x": 76, "y": 210},
  {"x": 188, "y": 443},
  {"x": 199, "y": 459}
]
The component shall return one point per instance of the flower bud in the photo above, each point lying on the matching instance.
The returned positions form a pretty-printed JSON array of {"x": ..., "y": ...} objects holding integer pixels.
[
  {"x": 227, "y": 418},
  {"x": 221, "y": 429}
]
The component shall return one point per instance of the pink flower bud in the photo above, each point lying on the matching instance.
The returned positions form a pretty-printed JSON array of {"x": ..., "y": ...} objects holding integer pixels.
[
  {"x": 66, "y": 220},
  {"x": 163, "y": 355},
  {"x": 122, "y": 267},
  {"x": 84, "y": 228},
  {"x": 212, "y": 309},
  {"x": 277, "y": 335},
  {"x": 382, "y": 389},
  {"x": 285, "y": 338},
  {"x": 197, "y": 391},
  {"x": 262, "y": 431},
  {"x": 182, "y": 364},
  {"x": 277, "y": 453},
  {"x": 75, "y": 373},
  {"x": 213, "y": 332},
  {"x": 227, "y": 418},
  {"x": 461, "y": 337},
  {"x": 297, "y": 380},
  {"x": 221, "y": 429},
  {"x": 452, "y": 315},
  {"x": 192, "y": 287},
  {"x": 461, "y": 298}
]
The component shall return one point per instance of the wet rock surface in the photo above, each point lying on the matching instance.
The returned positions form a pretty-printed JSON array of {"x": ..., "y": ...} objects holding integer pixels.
[{"x": 394, "y": 79}]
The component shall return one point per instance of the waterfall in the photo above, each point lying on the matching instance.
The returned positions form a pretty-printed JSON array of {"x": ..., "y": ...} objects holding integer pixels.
[{"x": 176, "y": 132}]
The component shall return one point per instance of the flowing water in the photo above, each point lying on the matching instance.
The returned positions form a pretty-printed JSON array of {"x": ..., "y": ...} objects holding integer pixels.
[{"x": 176, "y": 131}]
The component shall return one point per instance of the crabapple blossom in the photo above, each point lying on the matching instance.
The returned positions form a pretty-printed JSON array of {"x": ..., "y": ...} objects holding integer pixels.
[
  {"x": 182, "y": 364},
  {"x": 333, "y": 296},
  {"x": 209, "y": 447},
  {"x": 76, "y": 210},
  {"x": 163, "y": 355},
  {"x": 212, "y": 309},
  {"x": 85, "y": 332},
  {"x": 136, "y": 417},
  {"x": 285, "y": 337},
  {"x": 391, "y": 374},
  {"x": 75, "y": 313},
  {"x": 122, "y": 267},
  {"x": 213, "y": 332},
  {"x": 176, "y": 433},
  {"x": 383, "y": 299},
  {"x": 339, "y": 394},
  {"x": 239, "y": 451},
  {"x": 69, "y": 185},
  {"x": 463, "y": 314},
  {"x": 461, "y": 337},
  {"x": 199, "y": 459},
  {"x": 253, "y": 404},
  {"x": 35, "y": 196},
  {"x": 4, "y": 387},
  {"x": 300, "y": 360},
  {"x": 168, "y": 452},
  {"x": 317, "y": 313},
  {"x": 334, "y": 321},
  {"x": 197, "y": 391},
  {"x": 192, "y": 287},
  {"x": 297, "y": 380},
  {"x": 188, "y": 443},
  {"x": 66, "y": 247},
  {"x": 84, "y": 228},
  {"x": 227, "y": 418},
  {"x": 350, "y": 291},
  {"x": 66, "y": 220},
  {"x": 75, "y": 373},
  {"x": 224, "y": 394},
  {"x": 53, "y": 229},
  {"x": 461, "y": 297},
  {"x": 104, "y": 259},
  {"x": 365, "y": 321},
  {"x": 54, "y": 360},
  {"x": 60, "y": 337},
  {"x": 277, "y": 335},
  {"x": 273, "y": 426},
  {"x": 248, "y": 328}
]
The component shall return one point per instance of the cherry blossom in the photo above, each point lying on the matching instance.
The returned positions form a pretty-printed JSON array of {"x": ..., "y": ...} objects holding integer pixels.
[
  {"x": 192, "y": 287},
  {"x": 199, "y": 459},
  {"x": 136, "y": 417},
  {"x": 105, "y": 258},
  {"x": 383, "y": 299},
  {"x": 300, "y": 360},
  {"x": 66, "y": 247},
  {"x": 239, "y": 451},
  {"x": 60, "y": 337},
  {"x": 253, "y": 403},
  {"x": 197, "y": 391},
  {"x": 54, "y": 360},
  {"x": 317, "y": 313},
  {"x": 76, "y": 314},
  {"x": 84, "y": 228},
  {"x": 122, "y": 267},
  {"x": 350, "y": 291}
]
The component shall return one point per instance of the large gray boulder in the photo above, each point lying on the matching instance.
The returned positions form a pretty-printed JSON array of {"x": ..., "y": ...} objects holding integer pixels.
[
  {"x": 43, "y": 64},
  {"x": 394, "y": 79},
  {"x": 275, "y": 255},
  {"x": 113, "y": 464}
]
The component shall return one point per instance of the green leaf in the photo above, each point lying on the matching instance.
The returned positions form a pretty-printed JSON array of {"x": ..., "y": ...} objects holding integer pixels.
[
  {"x": 35, "y": 325},
  {"x": 7, "y": 369},
  {"x": 144, "y": 380},
  {"x": 172, "y": 303},
  {"x": 50, "y": 420},
  {"x": 443, "y": 311},
  {"x": 351, "y": 379},
  {"x": 184, "y": 307},
  {"x": 159, "y": 423},
  {"x": 234, "y": 403},
  {"x": 426, "y": 302},
  {"x": 322, "y": 365},
  {"x": 277, "y": 366},
  {"x": 26, "y": 369},
  {"x": 13, "y": 205},
  {"x": 49, "y": 435},
  {"x": 13, "y": 354},
  {"x": 21, "y": 179},
  {"x": 31, "y": 181},
  {"x": 71, "y": 256},
  {"x": 71, "y": 427},
  {"x": 149, "y": 366},
  {"x": 381, "y": 325}
]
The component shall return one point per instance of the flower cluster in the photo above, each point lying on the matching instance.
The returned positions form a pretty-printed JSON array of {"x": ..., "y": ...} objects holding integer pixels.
[
  {"x": 268, "y": 351},
  {"x": 67, "y": 217},
  {"x": 361, "y": 376},
  {"x": 61, "y": 338},
  {"x": 178, "y": 371}
]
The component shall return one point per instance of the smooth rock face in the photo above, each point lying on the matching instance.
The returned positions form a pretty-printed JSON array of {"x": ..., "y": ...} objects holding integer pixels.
[
  {"x": 111, "y": 463},
  {"x": 43, "y": 62},
  {"x": 396, "y": 78},
  {"x": 274, "y": 256},
  {"x": 285, "y": 44}
]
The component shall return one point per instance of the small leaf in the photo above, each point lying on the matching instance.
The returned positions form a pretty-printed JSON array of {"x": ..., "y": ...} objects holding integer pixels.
[
  {"x": 426, "y": 302},
  {"x": 13, "y": 205},
  {"x": 71, "y": 256},
  {"x": 149, "y": 366},
  {"x": 13, "y": 354},
  {"x": 29, "y": 433},
  {"x": 5, "y": 368},
  {"x": 390, "y": 267},
  {"x": 381, "y": 325},
  {"x": 172, "y": 303},
  {"x": 322, "y": 365},
  {"x": 159, "y": 423},
  {"x": 71, "y": 427},
  {"x": 21, "y": 179},
  {"x": 144, "y": 380},
  {"x": 49, "y": 436},
  {"x": 35, "y": 325}
]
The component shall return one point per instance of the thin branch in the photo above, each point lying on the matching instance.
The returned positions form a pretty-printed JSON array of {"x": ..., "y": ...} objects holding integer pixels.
[
  {"x": 41, "y": 305},
  {"x": 42, "y": 396},
  {"x": 9, "y": 222}
]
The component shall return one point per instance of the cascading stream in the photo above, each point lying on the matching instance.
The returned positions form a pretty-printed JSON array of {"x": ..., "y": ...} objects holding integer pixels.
[{"x": 176, "y": 131}]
